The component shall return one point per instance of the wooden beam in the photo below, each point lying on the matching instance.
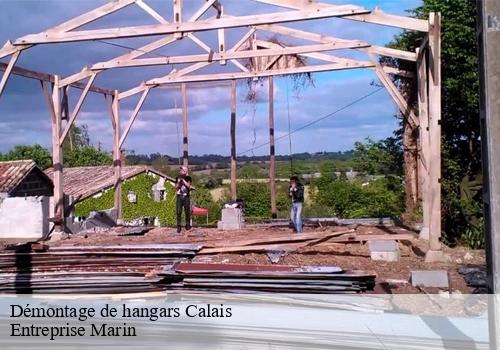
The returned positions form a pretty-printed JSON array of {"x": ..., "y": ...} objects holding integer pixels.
[
  {"x": 158, "y": 29},
  {"x": 341, "y": 43},
  {"x": 142, "y": 50},
  {"x": 178, "y": 16},
  {"x": 272, "y": 152},
  {"x": 188, "y": 69},
  {"x": 395, "y": 93},
  {"x": 50, "y": 78},
  {"x": 216, "y": 56},
  {"x": 133, "y": 116},
  {"x": 245, "y": 75},
  {"x": 234, "y": 195},
  {"x": 8, "y": 71},
  {"x": 117, "y": 162},
  {"x": 185, "y": 146},
  {"x": 77, "y": 108},
  {"x": 151, "y": 11},
  {"x": 57, "y": 156},
  {"x": 435, "y": 252},
  {"x": 72, "y": 24},
  {"x": 376, "y": 16},
  {"x": 221, "y": 37},
  {"x": 423, "y": 164}
]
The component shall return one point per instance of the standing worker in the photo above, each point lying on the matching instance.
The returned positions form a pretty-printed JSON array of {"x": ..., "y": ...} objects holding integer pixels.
[
  {"x": 296, "y": 192},
  {"x": 182, "y": 188}
]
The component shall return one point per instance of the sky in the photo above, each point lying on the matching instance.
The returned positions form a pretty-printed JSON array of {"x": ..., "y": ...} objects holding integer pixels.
[{"x": 325, "y": 114}]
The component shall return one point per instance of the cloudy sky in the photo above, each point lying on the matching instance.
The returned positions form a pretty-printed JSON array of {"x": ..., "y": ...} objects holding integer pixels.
[{"x": 24, "y": 117}]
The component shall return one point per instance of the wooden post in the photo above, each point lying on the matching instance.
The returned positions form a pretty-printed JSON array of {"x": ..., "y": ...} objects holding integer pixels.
[
  {"x": 185, "y": 156},
  {"x": 117, "y": 162},
  {"x": 57, "y": 157},
  {"x": 424, "y": 156},
  {"x": 272, "y": 163},
  {"x": 233, "y": 140},
  {"x": 435, "y": 253}
]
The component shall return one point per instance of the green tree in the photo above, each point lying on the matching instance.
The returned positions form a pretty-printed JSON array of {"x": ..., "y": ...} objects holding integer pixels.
[
  {"x": 460, "y": 103},
  {"x": 384, "y": 157},
  {"x": 39, "y": 154},
  {"x": 78, "y": 151}
]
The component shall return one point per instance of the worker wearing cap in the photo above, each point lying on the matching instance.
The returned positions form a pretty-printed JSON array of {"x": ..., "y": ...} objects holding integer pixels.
[
  {"x": 296, "y": 192},
  {"x": 182, "y": 190}
]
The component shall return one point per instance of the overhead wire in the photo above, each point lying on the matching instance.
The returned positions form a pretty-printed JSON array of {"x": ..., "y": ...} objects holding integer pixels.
[{"x": 315, "y": 121}]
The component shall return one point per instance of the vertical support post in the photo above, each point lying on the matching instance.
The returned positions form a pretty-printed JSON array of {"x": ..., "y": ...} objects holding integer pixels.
[
  {"x": 489, "y": 71},
  {"x": 221, "y": 36},
  {"x": 117, "y": 159},
  {"x": 57, "y": 161},
  {"x": 233, "y": 140},
  {"x": 435, "y": 252},
  {"x": 178, "y": 16},
  {"x": 185, "y": 155},
  {"x": 272, "y": 158},
  {"x": 424, "y": 151}
]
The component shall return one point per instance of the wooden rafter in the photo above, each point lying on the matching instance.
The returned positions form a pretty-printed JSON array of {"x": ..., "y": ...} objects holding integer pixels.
[
  {"x": 376, "y": 16},
  {"x": 133, "y": 117},
  {"x": 172, "y": 28},
  {"x": 8, "y": 71},
  {"x": 27, "y": 73}
]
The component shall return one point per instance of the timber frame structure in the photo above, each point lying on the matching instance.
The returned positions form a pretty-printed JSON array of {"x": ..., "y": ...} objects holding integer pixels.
[{"x": 427, "y": 59}]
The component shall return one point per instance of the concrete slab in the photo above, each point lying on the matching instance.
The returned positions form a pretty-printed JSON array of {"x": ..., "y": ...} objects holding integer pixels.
[
  {"x": 436, "y": 278},
  {"x": 436, "y": 256},
  {"x": 382, "y": 246},
  {"x": 385, "y": 256}
]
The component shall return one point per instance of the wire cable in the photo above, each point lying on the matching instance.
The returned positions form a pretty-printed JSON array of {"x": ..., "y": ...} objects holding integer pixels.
[{"x": 314, "y": 121}]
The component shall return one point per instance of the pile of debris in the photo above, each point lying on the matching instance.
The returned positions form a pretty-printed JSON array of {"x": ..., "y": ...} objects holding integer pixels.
[
  {"x": 35, "y": 268},
  {"x": 475, "y": 276},
  {"x": 232, "y": 278}
]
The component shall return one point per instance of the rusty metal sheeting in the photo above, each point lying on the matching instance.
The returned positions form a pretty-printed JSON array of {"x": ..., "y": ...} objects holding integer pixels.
[{"x": 266, "y": 278}]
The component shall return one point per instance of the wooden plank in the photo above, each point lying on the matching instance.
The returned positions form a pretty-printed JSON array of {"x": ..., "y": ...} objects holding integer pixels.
[
  {"x": 8, "y": 71},
  {"x": 376, "y": 16},
  {"x": 77, "y": 108},
  {"x": 178, "y": 16},
  {"x": 135, "y": 53},
  {"x": 219, "y": 56},
  {"x": 395, "y": 93},
  {"x": 151, "y": 11},
  {"x": 27, "y": 73},
  {"x": 133, "y": 116},
  {"x": 272, "y": 156},
  {"x": 221, "y": 36},
  {"x": 185, "y": 146},
  {"x": 117, "y": 163},
  {"x": 188, "y": 69},
  {"x": 435, "y": 130},
  {"x": 58, "y": 203},
  {"x": 339, "y": 43},
  {"x": 423, "y": 165},
  {"x": 233, "y": 140},
  {"x": 245, "y": 75},
  {"x": 205, "y": 25}
]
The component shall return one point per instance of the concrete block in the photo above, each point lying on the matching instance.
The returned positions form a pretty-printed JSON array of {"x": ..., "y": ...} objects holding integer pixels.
[
  {"x": 385, "y": 256},
  {"x": 24, "y": 217},
  {"x": 437, "y": 278},
  {"x": 383, "y": 246}
]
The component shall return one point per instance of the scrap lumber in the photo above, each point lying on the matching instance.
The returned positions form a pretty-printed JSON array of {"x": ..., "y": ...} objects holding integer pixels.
[{"x": 345, "y": 237}]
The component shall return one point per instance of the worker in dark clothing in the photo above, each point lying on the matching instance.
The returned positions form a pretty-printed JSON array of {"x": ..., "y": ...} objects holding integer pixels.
[
  {"x": 297, "y": 195},
  {"x": 182, "y": 189}
]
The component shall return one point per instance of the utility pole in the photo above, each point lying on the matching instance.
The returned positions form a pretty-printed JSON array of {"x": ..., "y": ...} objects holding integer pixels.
[{"x": 489, "y": 65}]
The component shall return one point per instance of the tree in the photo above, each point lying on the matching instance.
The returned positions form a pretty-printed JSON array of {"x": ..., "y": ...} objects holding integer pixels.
[
  {"x": 39, "y": 154},
  {"x": 78, "y": 151},
  {"x": 460, "y": 102},
  {"x": 383, "y": 157}
]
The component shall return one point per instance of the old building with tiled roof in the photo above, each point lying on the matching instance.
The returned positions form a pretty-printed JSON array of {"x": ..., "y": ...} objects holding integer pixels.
[{"x": 22, "y": 178}]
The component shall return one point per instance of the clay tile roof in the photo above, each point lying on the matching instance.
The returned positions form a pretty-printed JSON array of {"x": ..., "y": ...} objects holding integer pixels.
[
  {"x": 13, "y": 172},
  {"x": 83, "y": 182}
]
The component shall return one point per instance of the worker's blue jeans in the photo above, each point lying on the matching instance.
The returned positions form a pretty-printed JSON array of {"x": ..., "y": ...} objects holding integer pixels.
[{"x": 296, "y": 216}]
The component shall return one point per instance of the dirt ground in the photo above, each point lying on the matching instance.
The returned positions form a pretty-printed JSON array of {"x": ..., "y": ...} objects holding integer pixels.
[{"x": 392, "y": 277}]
